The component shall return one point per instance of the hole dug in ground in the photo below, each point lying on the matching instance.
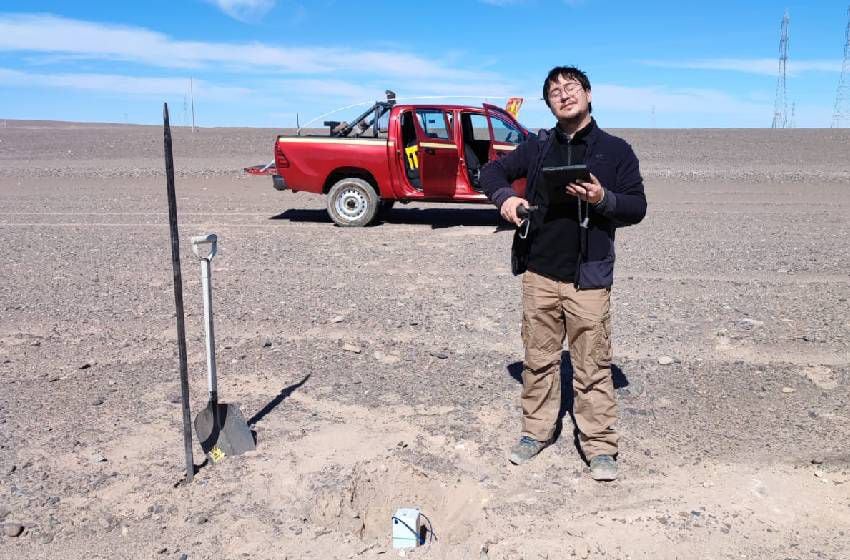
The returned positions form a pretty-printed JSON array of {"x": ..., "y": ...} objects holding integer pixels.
[{"x": 362, "y": 503}]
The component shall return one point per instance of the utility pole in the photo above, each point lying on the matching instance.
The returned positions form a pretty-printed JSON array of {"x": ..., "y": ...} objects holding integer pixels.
[
  {"x": 780, "y": 106},
  {"x": 192, "y": 96},
  {"x": 841, "y": 113}
]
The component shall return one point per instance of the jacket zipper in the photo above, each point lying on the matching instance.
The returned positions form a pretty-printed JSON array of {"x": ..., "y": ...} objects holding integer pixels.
[{"x": 582, "y": 232}]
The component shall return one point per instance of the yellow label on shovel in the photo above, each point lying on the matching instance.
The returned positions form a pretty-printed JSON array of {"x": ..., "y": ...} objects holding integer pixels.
[{"x": 216, "y": 454}]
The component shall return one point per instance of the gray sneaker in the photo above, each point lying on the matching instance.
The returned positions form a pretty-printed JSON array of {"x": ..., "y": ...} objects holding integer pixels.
[
  {"x": 526, "y": 449},
  {"x": 603, "y": 468}
]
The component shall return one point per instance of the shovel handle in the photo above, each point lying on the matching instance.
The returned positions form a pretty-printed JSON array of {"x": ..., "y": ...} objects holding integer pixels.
[{"x": 210, "y": 239}]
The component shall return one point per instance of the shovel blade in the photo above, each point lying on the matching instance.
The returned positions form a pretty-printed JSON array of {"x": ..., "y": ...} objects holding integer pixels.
[{"x": 233, "y": 436}]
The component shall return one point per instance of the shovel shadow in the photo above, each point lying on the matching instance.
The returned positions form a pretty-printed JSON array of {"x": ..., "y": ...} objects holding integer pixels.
[
  {"x": 272, "y": 404},
  {"x": 619, "y": 378},
  {"x": 223, "y": 413}
]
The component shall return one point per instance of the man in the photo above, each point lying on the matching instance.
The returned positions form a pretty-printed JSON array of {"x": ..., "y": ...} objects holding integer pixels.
[{"x": 567, "y": 262}]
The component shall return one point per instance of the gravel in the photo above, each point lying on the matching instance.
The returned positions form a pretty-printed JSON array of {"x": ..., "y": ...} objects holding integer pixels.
[{"x": 737, "y": 281}]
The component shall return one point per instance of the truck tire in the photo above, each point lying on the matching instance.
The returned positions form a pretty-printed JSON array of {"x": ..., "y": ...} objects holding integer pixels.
[{"x": 352, "y": 202}]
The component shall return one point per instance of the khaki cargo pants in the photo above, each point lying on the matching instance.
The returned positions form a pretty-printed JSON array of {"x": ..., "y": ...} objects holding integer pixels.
[{"x": 551, "y": 311}]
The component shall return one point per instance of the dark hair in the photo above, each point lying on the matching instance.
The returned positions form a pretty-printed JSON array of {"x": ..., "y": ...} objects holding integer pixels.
[{"x": 565, "y": 72}]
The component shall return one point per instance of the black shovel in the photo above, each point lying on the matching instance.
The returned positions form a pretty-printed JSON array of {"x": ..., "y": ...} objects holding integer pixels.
[{"x": 220, "y": 427}]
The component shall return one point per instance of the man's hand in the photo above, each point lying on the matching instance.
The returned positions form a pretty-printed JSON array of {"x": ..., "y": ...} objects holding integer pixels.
[
  {"x": 591, "y": 191},
  {"x": 508, "y": 209}
]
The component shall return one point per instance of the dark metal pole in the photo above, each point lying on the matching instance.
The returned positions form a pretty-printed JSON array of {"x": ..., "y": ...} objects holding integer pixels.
[{"x": 178, "y": 297}]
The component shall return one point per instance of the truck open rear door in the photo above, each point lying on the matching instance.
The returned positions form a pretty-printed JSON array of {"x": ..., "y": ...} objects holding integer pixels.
[{"x": 438, "y": 157}]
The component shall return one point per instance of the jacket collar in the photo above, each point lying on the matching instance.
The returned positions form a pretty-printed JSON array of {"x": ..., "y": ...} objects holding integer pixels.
[
  {"x": 593, "y": 133},
  {"x": 580, "y": 134},
  {"x": 590, "y": 133}
]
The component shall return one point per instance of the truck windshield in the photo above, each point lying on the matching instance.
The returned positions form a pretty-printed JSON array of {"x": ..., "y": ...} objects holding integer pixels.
[{"x": 383, "y": 123}]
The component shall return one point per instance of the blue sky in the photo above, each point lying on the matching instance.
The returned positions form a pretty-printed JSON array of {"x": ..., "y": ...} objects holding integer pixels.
[{"x": 259, "y": 62}]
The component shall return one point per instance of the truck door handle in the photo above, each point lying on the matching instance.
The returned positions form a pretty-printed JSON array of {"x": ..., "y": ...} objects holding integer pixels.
[{"x": 431, "y": 151}]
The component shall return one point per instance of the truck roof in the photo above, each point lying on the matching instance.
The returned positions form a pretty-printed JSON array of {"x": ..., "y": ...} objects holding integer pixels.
[{"x": 440, "y": 105}]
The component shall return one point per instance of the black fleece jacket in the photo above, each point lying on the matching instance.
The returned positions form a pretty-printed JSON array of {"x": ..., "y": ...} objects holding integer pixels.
[{"x": 612, "y": 161}]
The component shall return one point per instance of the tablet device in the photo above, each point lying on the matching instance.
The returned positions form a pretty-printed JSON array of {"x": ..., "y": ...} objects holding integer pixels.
[{"x": 557, "y": 179}]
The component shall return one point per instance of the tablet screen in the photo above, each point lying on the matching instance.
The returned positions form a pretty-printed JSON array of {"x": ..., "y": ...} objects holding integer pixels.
[{"x": 557, "y": 178}]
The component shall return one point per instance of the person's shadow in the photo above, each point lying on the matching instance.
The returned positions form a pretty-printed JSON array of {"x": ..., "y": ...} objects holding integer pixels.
[{"x": 619, "y": 378}]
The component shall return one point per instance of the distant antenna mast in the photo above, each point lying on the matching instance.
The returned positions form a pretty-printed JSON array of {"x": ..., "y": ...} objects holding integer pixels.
[
  {"x": 192, "y": 96},
  {"x": 792, "y": 123},
  {"x": 652, "y": 116},
  {"x": 780, "y": 107},
  {"x": 842, "y": 97}
]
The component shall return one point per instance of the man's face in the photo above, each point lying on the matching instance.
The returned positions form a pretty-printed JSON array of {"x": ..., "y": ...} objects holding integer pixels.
[{"x": 567, "y": 99}]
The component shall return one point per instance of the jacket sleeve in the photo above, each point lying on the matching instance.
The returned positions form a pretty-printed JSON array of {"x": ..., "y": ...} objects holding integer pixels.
[
  {"x": 497, "y": 176},
  {"x": 625, "y": 202}
]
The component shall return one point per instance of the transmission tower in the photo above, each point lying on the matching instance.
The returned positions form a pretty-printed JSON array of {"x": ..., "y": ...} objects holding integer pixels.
[
  {"x": 192, "y": 96},
  {"x": 842, "y": 97},
  {"x": 780, "y": 107}
]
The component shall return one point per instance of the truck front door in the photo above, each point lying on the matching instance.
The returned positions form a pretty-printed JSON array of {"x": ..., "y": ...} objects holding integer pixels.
[
  {"x": 505, "y": 136},
  {"x": 438, "y": 157}
]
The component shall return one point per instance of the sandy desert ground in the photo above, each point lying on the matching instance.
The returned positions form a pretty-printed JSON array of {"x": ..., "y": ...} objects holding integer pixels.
[{"x": 379, "y": 366}]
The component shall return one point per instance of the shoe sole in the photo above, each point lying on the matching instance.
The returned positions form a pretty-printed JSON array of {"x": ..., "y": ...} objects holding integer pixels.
[
  {"x": 604, "y": 477},
  {"x": 517, "y": 460}
]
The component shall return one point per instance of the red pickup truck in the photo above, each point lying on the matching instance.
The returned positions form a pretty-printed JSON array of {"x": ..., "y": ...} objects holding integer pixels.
[{"x": 396, "y": 152}]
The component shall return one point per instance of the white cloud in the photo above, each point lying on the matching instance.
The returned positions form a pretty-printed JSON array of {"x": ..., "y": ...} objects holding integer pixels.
[
  {"x": 342, "y": 91},
  {"x": 247, "y": 11},
  {"x": 339, "y": 90},
  {"x": 319, "y": 78},
  {"x": 762, "y": 66},
  {"x": 95, "y": 41},
  {"x": 633, "y": 106},
  {"x": 612, "y": 102},
  {"x": 113, "y": 83},
  {"x": 673, "y": 100}
]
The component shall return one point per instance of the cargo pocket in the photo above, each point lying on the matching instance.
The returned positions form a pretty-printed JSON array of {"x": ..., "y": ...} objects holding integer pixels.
[
  {"x": 542, "y": 326},
  {"x": 601, "y": 349}
]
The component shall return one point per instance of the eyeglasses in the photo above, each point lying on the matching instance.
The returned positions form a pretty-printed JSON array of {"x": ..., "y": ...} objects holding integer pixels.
[{"x": 568, "y": 89}]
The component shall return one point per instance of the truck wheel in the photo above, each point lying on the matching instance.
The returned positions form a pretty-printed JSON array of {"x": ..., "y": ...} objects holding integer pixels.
[{"x": 352, "y": 202}]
